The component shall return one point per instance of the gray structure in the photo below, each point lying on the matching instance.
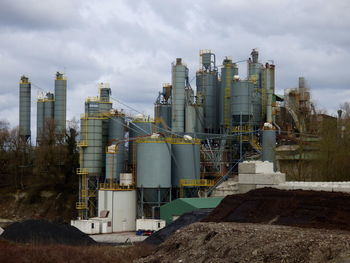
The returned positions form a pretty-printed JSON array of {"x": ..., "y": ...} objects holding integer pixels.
[
  {"x": 185, "y": 162},
  {"x": 269, "y": 145},
  {"x": 179, "y": 83},
  {"x": 241, "y": 102},
  {"x": 137, "y": 128},
  {"x": 60, "y": 102},
  {"x": 24, "y": 108},
  {"x": 39, "y": 118},
  {"x": 49, "y": 105}
]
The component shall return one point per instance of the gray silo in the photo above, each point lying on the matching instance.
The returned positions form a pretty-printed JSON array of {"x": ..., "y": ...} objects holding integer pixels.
[
  {"x": 269, "y": 145},
  {"x": 162, "y": 114},
  {"x": 191, "y": 120},
  {"x": 257, "y": 106},
  {"x": 241, "y": 102},
  {"x": 24, "y": 107},
  {"x": 228, "y": 71},
  {"x": 60, "y": 110},
  {"x": 104, "y": 92},
  {"x": 185, "y": 163},
  {"x": 39, "y": 118},
  {"x": 153, "y": 171},
  {"x": 137, "y": 128},
  {"x": 49, "y": 104},
  {"x": 179, "y": 82},
  {"x": 199, "y": 118},
  {"x": 91, "y": 134},
  {"x": 254, "y": 67},
  {"x": 116, "y": 135},
  {"x": 114, "y": 163}
]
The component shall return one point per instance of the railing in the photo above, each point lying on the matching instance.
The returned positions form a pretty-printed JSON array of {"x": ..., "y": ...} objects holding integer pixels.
[
  {"x": 116, "y": 187},
  {"x": 196, "y": 182},
  {"x": 80, "y": 206},
  {"x": 83, "y": 143},
  {"x": 82, "y": 171}
]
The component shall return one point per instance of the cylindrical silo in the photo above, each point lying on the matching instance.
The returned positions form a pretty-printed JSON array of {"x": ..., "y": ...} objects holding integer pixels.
[
  {"x": 241, "y": 102},
  {"x": 191, "y": 120},
  {"x": 39, "y": 118},
  {"x": 162, "y": 114},
  {"x": 207, "y": 81},
  {"x": 254, "y": 67},
  {"x": 137, "y": 128},
  {"x": 91, "y": 132},
  {"x": 49, "y": 103},
  {"x": 256, "y": 101},
  {"x": 199, "y": 118},
  {"x": 179, "y": 78},
  {"x": 60, "y": 109},
  {"x": 153, "y": 167},
  {"x": 114, "y": 162},
  {"x": 269, "y": 145},
  {"x": 185, "y": 163},
  {"x": 24, "y": 107},
  {"x": 116, "y": 135},
  {"x": 105, "y": 92}
]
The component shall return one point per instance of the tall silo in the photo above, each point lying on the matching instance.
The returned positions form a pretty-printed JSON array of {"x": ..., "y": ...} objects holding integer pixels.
[
  {"x": 185, "y": 162},
  {"x": 254, "y": 67},
  {"x": 162, "y": 115},
  {"x": 228, "y": 71},
  {"x": 24, "y": 107},
  {"x": 191, "y": 120},
  {"x": 114, "y": 162},
  {"x": 207, "y": 85},
  {"x": 39, "y": 118},
  {"x": 241, "y": 102},
  {"x": 116, "y": 136},
  {"x": 153, "y": 173},
  {"x": 179, "y": 83},
  {"x": 49, "y": 104},
  {"x": 60, "y": 110},
  {"x": 137, "y": 128}
]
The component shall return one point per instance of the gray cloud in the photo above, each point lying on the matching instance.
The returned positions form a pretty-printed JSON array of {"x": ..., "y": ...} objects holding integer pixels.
[{"x": 131, "y": 44}]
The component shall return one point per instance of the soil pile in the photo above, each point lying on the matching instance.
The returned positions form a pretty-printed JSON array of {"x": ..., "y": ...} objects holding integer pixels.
[
  {"x": 186, "y": 219},
  {"x": 236, "y": 242},
  {"x": 44, "y": 232},
  {"x": 315, "y": 209}
]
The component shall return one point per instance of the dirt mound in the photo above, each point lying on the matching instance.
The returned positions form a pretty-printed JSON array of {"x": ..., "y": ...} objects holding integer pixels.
[
  {"x": 44, "y": 232},
  {"x": 184, "y": 220},
  {"x": 316, "y": 209},
  {"x": 235, "y": 242}
]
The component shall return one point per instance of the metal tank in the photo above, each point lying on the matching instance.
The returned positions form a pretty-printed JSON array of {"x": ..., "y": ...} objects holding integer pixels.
[
  {"x": 49, "y": 104},
  {"x": 60, "y": 109},
  {"x": 39, "y": 118},
  {"x": 137, "y": 128},
  {"x": 207, "y": 81},
  {"x": 228, "y": 71},
  {"x": 254, "y": 67},
  {"x": 114, "y": 162},
  {"x": 105, "y": 92},
  {"x": 241, "y": 102},
  {"x": 269, "y": 145},
  {"x": 179, "y": 83},
  {"x": 199, "y": 118},
  {"x": 185, "y": 162},
  {"x": 162, "y": 113},
  {"x": 191, "y": 120},
  {"x": 91, "y": 133},
  {"x": 116, "y": 135},
  {"x": 24, "y": 107},
  {"x": 257, "y": 107},
  {"x": 153, "y": 168}
]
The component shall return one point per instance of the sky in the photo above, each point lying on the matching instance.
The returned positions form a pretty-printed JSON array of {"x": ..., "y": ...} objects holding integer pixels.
[{"x": 131, "y": 45}]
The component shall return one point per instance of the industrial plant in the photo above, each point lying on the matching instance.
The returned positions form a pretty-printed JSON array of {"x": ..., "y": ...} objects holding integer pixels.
[{"x": 133, "y": 165}]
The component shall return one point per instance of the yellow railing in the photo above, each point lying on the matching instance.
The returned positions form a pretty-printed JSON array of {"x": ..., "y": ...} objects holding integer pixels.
[
  {"x": 196, "y": 182},
  {"x": 82, "y": 171},
  {"x": 80, "y": 205},
  {"x": 116, "y": 187},
  {"x": 83, "y": 143}
]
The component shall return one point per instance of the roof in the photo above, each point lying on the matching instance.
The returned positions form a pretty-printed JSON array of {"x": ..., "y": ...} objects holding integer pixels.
[{"x": 210, "y": 202}]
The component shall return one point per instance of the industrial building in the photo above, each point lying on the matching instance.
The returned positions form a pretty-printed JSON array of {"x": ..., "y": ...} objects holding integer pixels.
[
  {"x": 192, "y": 145},
  {"x": 51, "y": 108}
]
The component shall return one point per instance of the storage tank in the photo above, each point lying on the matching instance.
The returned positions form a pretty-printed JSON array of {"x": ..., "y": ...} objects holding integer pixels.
[
  {"x": 185, "y": 162},
  {"x": 269, "y": 145},
  {"x": 39, "y": 118},
  {"x": 162, "y": 114},
  {"x": 24, "y": 107},
  {"x": 60, "y": 102},
  {"x": 179, "y": 81},
  {"x": 254, "y": 67},
  {"x": 138, "y": 128},
  {"x": 114, "y": 162},
  {"x": 199, "y": 118},
  {"x": 191, "y": 120},
  {"x": 207, "y": 81},
  {"x": 241, "y": 102},
  {"x": 91, "y": 132},
  {"x": 49, "y": 104},
  {"x": 153, "y": 167}
]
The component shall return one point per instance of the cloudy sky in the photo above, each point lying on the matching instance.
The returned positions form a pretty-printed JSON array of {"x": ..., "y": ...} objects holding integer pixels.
[{"x": 131, "y": 45}]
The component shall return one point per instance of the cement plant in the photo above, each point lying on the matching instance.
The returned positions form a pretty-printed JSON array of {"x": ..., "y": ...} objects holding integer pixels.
[{"x": 220, "y": 148}]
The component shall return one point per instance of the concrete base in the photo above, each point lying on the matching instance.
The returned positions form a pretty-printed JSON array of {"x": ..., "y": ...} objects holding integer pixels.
[
  {"x": 228, "y": 187},
  {"x": 254, "y": 167},
  {"x": 263, "y": 178}
]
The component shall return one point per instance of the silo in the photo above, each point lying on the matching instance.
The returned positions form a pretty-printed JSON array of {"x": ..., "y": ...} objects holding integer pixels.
[
  {"x": 179, "y": 79},
  {"x": 228, "y": 71},
  {"x": 257, "y": 107},
  {"x": 114, "y": 162},
  {"x": 24, "y": 107},
  {"x": 207, "y": 81},
  {"x": 49, "y": 103},
  {"x": 185, "y": 162},
  {"x": 191, "y": 120},
  {"x": 268, "y": 145},
  {"x": 105, "y": 92},
  {"x": 199, "y": 118},
  {"x": 162, "y": 114},
  {"x": 39, "y": 118},
  {"x": 60, "y": 102},
  {"x": 116, "y": 135},
  {"x": 91, "y": 133},
  {"x": 241, "y": 102},
  {"x": 254, "y": 67},
  {"x": 153, "y": 170},
  {"x": 137, "y": 128}
]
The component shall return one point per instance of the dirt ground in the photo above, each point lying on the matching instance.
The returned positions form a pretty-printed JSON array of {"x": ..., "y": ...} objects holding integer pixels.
[{"x": 245, "y": 242}]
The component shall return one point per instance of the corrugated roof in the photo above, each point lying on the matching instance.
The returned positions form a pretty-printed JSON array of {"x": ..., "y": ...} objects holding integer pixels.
[{"x": 210, "y": 202}]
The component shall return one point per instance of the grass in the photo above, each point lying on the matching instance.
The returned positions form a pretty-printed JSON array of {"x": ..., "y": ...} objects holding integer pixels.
[{"x": 12, "y": 252}]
